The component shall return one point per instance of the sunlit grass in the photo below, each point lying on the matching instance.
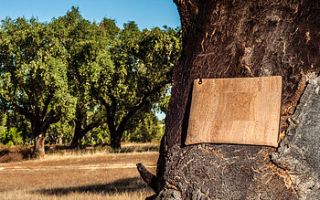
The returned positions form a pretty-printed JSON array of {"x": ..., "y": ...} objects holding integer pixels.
[
  {"x": 127, "y": 148},
  {"x": 77, "y": 175}
]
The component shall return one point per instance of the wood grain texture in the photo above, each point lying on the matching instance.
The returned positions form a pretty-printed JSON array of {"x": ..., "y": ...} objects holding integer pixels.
[{"x": 235, "y": 111}]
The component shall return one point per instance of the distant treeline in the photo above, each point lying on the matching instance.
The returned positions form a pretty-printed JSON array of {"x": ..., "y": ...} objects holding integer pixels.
[{"x": 75, "y": 82}]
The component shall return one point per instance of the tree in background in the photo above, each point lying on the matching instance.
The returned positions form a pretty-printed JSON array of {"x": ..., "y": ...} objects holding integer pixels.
[
  {"x": 3, "y": 129},
  {"x": 86, "y": 44},
  {"x": 16, "y": 129},
  {"x": 147, "y": 129},
  {"x": 73, "y": 75},
  {"x": 33, "y": 76},
  {"x": 143, "y": 63}
]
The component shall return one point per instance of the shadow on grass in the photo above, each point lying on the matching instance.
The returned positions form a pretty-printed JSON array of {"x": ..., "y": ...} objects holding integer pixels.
[{"x": 119, "y": 186}]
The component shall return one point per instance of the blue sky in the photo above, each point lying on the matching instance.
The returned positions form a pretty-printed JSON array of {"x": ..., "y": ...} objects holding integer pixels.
[{"x": 146, "y": 13}]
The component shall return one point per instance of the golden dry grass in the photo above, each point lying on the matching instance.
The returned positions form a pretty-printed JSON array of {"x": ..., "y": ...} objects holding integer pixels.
[
  {"x": 126, "y": 148},
  {"x": 26, "y": 195},
  {"x": 76, "y": 177}
]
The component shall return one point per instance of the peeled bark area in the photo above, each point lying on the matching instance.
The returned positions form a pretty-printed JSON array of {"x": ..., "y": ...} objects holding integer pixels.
[
  {"x": 221, "y": 39},
  {"x": 38, "y": 149}
]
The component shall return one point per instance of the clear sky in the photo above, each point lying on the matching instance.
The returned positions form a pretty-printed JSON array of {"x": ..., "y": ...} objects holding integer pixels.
[{"x": 146, "y": 13}]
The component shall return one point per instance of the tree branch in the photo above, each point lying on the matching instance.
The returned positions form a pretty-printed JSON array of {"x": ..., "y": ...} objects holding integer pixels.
[
  {"x": 133, "y": 110},
  {"x": 23, "y": 111},
  {"x": 148, "y": 177},
  {"x": 91, "y": 126},
  {"x": 47, "y": 102},
  {"x": 53, "y": 117},
  {"x": 110, "y": 110}
]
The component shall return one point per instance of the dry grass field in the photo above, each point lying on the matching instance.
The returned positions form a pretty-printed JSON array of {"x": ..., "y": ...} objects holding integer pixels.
[{"x": 77, "y": 176}]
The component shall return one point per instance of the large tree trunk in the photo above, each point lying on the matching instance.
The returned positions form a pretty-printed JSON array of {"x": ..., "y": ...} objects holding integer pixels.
[
  {"x": 77, "y": 135},
  {"x": 80, "y": 122},
  {"x": 39, "y": 128},
  {"x": 76, "y": 140},
  {"x": 38, "y": 139},
  {"x": 115, "y": 140},
  {"x": 228, "y": 38}
]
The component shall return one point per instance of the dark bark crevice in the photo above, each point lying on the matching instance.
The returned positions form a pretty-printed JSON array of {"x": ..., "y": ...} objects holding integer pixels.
[{"x": 186, "y": 118}]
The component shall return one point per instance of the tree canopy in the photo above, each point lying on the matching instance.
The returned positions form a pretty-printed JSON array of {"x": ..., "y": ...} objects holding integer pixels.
[
  {"x": 33, "y": 73},
  {"x": 74, "y": 75},
  {"x": 142, "y": 73}
]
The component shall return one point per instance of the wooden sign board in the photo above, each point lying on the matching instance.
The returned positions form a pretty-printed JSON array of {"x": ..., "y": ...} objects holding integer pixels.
[{"x": 235, "y": 111}]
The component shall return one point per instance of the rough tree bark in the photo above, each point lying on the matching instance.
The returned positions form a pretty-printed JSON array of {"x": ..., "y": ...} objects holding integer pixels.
[
  {"x": 299, "y": 153},
  {"x": 229, "y": 38}
]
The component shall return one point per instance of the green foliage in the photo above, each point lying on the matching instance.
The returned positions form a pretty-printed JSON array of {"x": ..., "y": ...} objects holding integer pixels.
[
  {"x": 70, "y": 77},
  {"x": 98, "y": 136},
  {"x": 11, "y": 137},
  {"x": 60, "y": 132},
  {"x": 148, "y": 129},
  {"x": 87, "y": 56},
  {"x": 33, "y": 75},
  {"x": 110, "y": 27},
  {"x": 13, "y": 119},
  {"x": 3, "y": 119},
  {"x": 143, "y": 62},
  {"x": 164, "y": 102}
]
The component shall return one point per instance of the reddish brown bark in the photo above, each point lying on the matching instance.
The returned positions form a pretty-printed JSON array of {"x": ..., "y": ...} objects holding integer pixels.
[{"x": 38, "y": 148}]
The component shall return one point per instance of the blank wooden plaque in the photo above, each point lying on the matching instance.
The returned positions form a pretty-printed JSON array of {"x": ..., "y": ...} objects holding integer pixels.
[{"x": 235, "y": 111}]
